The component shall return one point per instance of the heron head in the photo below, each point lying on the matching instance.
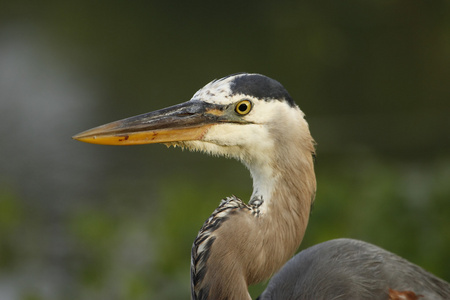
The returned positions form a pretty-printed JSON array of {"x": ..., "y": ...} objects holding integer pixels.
[{"x": 238, "y": 116}]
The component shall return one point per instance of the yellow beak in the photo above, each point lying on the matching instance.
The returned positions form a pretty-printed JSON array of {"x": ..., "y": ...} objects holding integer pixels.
[{"x": 183, "y": 122}]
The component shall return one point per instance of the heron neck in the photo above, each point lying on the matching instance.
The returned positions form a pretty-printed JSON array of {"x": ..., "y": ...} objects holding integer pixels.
[
  {"x": 241, "y": 244},
  {"x": 287, "y": 193}
]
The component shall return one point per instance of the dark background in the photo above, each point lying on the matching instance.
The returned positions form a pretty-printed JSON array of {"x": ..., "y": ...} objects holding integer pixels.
[{"x": 79, "y": 221}]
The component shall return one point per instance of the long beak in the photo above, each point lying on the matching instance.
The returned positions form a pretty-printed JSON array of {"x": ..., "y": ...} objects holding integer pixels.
[{"x": 183, "y": 122}]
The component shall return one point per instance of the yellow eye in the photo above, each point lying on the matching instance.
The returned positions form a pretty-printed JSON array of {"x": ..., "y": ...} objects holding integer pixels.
[{"x": 243, "y": 107}]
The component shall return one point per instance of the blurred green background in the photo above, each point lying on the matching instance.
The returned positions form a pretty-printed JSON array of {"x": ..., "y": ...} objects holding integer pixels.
[{"x": 79, "y": 221}]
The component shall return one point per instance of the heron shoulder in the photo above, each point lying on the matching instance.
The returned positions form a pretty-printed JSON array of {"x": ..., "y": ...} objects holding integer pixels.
[{"x": 229, "y": 212}]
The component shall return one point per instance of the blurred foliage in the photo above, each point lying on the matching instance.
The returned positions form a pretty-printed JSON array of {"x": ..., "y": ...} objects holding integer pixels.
[
  {"x": 88, "y": 222},
  {"x": 120, "y": 252},
  {"x": 10, "y": 218}
]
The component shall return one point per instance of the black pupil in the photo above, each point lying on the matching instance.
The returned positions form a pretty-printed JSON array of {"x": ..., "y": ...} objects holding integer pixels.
[{"x": 242, "y": 107}]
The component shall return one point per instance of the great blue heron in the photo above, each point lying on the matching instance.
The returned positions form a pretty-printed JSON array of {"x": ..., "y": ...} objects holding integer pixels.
[{"x": 252, "y": 118}]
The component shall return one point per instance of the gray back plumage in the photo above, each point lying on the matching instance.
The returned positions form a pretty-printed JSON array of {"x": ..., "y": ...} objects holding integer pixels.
[{"x": 351, "y": 269}]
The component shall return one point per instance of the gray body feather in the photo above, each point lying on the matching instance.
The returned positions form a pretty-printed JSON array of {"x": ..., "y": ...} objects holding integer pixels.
[{"x": 351, "y": 269}]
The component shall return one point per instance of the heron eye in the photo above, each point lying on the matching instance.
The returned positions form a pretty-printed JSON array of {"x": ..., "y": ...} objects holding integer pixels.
[{"x": 243, "y": 107}]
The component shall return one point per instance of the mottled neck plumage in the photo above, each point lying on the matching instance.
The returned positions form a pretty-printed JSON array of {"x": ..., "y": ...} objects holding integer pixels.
[{"x": 243, "y": 244}]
